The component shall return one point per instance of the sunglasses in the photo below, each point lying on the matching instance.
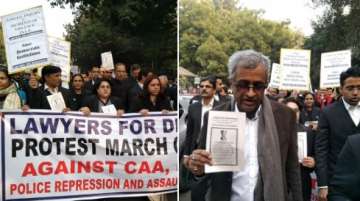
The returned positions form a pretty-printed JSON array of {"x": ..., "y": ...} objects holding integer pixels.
[
  {"x": 205, "y": 86},
  {"x": 246, "y": 85}
]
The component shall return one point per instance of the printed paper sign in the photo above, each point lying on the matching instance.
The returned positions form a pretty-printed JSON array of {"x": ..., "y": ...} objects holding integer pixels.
[
  {"x": 107, "y": 60},
  {"x": 25, "y": 39},
  {"x": 295, "y": 69},
  {"x": 332, "y": 64}
]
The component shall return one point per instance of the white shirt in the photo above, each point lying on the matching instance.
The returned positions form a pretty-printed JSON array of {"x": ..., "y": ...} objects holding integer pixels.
[
  {"x": 244, "y": 182},
  {"x": 52, "y": 91},
  {"x": 354, "y": 111},
  {"x": 205, "y": 108}
]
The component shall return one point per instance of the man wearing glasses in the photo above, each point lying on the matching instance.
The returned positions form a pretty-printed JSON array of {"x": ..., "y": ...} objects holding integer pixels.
[
  {"x": 271, "y": 170},
  {"x": 193, "y": 126}
]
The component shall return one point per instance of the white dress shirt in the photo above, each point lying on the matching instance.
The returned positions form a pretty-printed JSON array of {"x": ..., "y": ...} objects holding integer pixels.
[
  {"x": 244, "y": 182},
  {"x": 51, "y": 90},
  {"x": 205, "y": 108},
  {"x": 354, "y": 111}
]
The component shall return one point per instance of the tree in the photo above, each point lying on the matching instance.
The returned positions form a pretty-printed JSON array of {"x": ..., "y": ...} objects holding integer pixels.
[
  {"x": 2, "y": 48},
  {"x": 136, "y": 31},
  {"x": 210, "y": 31},
  {"x": 335, "y": 30}
]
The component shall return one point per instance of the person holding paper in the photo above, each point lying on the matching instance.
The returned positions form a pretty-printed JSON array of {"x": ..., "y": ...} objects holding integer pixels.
[
  {"x": 271, "y": 167},
  {"x": 102, "y": 101},
  {"x": 308, "y": 162},
  {"x": 51, "y": 78},
  {"x": 194, "y": 122},
  {"x": 152, "y": 98},
  {"x": 337, "y": 121}
]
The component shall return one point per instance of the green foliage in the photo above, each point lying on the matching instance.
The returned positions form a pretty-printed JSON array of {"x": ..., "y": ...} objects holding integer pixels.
[
  {"x": 136, "y": 31},
  {"x": 2, "y": 48},
  {"x": 210, "y": 31},
  {"x": 334, "y": 31}
]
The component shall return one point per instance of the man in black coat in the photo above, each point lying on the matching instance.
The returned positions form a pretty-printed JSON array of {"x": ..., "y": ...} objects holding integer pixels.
[
  {"x": 51, "y": 76},
  {"x": 121, "y": 84},
  {"x": 346, "y": 179},
  {"x": 195, "y": 117},
  {"x": 93, "y": 76},
  {"x": 337, "y": 121}
]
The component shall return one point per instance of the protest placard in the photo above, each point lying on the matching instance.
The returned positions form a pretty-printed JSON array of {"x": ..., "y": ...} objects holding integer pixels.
[
  {"x": 60, "y": 55},
  {"x": 295, "y": 69},
  {"x": 49, "y": 155},
  {"x": 332, "y": 64},
  {"x": 275, "y": 76},
  {"x": 25, "y": 39},
  {"x": 107, "y": 60}
]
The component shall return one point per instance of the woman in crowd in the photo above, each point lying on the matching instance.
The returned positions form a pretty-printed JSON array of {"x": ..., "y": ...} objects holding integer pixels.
[
  {"x": 308, "y": 162},
  {"x": 11, "y": 97},
  {"x": 309, "y": 116},
  {"x": 102, "y": 101},
  {"x": 151, "y": 99},
  {"x": 77, "y": 91}
]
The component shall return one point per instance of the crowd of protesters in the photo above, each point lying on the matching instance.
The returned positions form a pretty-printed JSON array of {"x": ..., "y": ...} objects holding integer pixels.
[
  {"x": 328, "y": 116},
  {"x": 87, "y": 92}
]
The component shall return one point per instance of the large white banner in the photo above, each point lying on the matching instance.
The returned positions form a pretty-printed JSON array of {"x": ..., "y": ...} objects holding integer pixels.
[
  {"x": 25, "y": 39},
  {"x": 332, "y": 64},
  {"x": 60, "y": 55},
  {"x": 66, "y": 156},
  {"x": 275, "y": 76},
  {"x": 295, "y": 69}
]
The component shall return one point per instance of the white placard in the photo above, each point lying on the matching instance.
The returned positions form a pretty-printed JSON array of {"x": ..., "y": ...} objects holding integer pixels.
[
  {"x": 60, "y": 56},
  {"x": 295, "y": 69},
  {"x": 56, "y": 102},
  {"x": 107, "y": 60},
  {"x": 275, "y": 76},
  {"x": 225, "y": 141},
  {"x": 25, "y": 39},
  {"x": 75, "y": 69},
  {"x": 109, "y": 109},
  {"x": 332, "y": 64},
  {"x": 302, "y": 146}
]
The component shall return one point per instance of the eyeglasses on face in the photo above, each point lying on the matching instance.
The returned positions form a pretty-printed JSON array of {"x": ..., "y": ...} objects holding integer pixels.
[
  {"x": 246, "y": 85},
  {"x": 206, "y": 86}
]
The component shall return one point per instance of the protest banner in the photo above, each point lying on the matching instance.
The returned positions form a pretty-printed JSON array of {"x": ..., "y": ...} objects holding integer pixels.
[
  {"x": 25, "y": 39},
  {"x": 60, "y": 55},
  {"x": 48, "y": 155},
  {"x": 295, "y": 69},
  {"x": 107, "y": 60},
  {"x": 275, "y": 76},
  {"x": 332, "y": 64}
]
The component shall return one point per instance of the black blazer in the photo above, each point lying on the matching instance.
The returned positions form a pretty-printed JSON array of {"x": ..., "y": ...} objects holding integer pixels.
[
  {"x": 134, "y": 93},
  {"x": 314, "y": 115},
  {"x": 346, "y": 180},
  {"x": 92, "y": 102},
  {"x": 140, "y": 103},
  {"x": 38, "y": 98},
  {"x": 193, "y": 127},
  {"x": 335, "y": 125}
]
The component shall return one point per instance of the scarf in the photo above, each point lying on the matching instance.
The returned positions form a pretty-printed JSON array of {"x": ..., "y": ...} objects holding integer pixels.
[
  {"x": 10, "y": 89},
  {"x": 270, "y": 169},
  {"x": 12, "y": 100}
]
